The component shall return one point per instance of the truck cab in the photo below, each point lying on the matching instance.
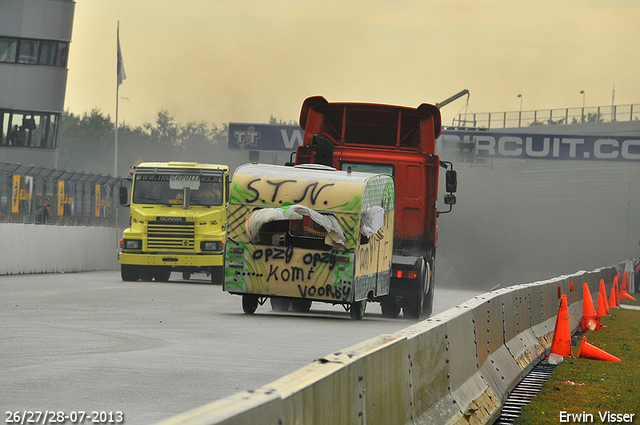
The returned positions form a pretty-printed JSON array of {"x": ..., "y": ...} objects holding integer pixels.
[
  {"x": 177, "y": 222},
  {"x": 399, "y": 141}
]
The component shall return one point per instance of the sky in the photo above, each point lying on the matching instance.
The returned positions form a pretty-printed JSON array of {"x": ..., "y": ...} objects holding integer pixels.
[{"x": 220, "y": 61}]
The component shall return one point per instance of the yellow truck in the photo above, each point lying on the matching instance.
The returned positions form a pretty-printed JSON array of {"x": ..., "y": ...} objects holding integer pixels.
[
  {"x": 309, "y": 233},
  {"x": 177, "y": 222}
]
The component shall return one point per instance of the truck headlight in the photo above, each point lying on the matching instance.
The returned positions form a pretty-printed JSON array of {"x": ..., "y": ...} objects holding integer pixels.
[
  {"x": 132, "y": 244},
  {"x": 211, "y": 246}
]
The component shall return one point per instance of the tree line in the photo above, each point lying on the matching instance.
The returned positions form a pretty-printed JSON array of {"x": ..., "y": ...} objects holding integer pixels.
[{"x": 86, "y": 142}]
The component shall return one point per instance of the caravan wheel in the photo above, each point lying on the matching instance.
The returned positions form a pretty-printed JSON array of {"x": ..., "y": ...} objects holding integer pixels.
[
  {"x": 356, "y": 310},
  {"x": 249, "y": 303}
]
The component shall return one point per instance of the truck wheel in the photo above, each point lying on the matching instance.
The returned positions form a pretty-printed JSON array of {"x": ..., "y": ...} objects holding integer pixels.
[
  {"x": 186, "y": 275},
  {"x": 217, "y": 275},
  {"x": 415, "y": 307},
  {"x": 356, "y": 310},
  {"x": 129, "y": 273},
  {"x": 390, "y": 311},
  {"x": 301, "y": 306},
  {"x": 146, "y": 274},
  {"x": 280, "y": 304},
  {"x": 412, "y": 311},
  {"x": 427, "y": 307},
  {"x": 249, "y": 303},
  {"x": 162, "y": 274}
]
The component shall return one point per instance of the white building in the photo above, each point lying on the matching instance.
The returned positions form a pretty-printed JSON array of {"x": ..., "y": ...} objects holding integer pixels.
[{"x": 35, "y": 36}]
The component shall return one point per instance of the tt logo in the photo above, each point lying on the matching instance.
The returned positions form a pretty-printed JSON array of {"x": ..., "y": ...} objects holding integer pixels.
[
  {"x": 249, "y": 137},
  {"x": 185, "y": 243}
]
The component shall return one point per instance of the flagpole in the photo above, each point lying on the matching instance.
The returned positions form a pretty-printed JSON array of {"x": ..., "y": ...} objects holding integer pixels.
[
  {"x": 115, "y": 160},
  {"x": 121, "y": 76}
]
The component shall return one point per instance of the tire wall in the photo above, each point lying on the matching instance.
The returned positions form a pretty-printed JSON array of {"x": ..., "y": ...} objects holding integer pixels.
[
  {"x": 30, "y": 248},
  {"x": 454, "y": 368}
]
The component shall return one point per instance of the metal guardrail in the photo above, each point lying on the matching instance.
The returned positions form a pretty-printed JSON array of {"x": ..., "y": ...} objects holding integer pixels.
[
  {"x": 564, "y": 116},
  {"x": 456, "y": 367},
  {"x": 74, "y": 198}
]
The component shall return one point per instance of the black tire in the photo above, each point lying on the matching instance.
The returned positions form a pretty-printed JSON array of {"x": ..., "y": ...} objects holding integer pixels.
[
  {"x": 146, "y": 274},
  {"x": 162, "y": 274},
  {"x": 217, "y": 275},
  {"x": 280, "y": 304},
  {"x": 415, "y": 307},
  {"x": 427, "y": 307},
  {"x": 129, "y": 273},
  {"x": 186, "y": 275},
  {"x": 411, "y": 311},
  {"x": 301, "y": 306},
  {"x": 356, "y": 310},
  {"x": 390, "y": 311},
  {"x": 249, "y": 303}
]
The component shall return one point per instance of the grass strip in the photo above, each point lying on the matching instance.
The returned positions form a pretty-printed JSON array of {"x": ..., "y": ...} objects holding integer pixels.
[{"x": 593, "y": 391}]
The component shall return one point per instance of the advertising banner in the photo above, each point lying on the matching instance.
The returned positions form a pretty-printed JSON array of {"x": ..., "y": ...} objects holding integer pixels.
[
  {"x": 103, "y": 201},
  {"x": 61, "y": 198},
  {"x": 484, "y": 144},
  {"x": 265, "y": 137},
  {"x": 544, "y": 146},
  {"x": 15, "y": 194},
  {"x": 98, "y": 201}
]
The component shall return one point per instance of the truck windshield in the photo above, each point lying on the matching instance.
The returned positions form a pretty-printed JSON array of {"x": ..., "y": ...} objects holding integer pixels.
[{"x": 156, "y": 189}]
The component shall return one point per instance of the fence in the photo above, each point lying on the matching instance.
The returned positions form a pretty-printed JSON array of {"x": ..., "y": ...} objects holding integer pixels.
[
  {"x": 565, "y": 116},
  {"x": 31, "y": 194}
]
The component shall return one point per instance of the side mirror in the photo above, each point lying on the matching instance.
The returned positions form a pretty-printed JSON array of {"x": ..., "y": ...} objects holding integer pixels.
[
  {"x": 450, "y": 199},
  {"x": 124, "y": 196},
  {"x": 452, "y": 181}
]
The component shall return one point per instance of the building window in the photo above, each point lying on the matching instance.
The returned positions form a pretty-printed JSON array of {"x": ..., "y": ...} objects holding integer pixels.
[
  {"x": 33, "y": 52},
  {"x": 61, "y": 54},
  {"x": 30, "y": 130},
  {"x": 28, "y": 51},
  {"x": 8, "y": 49},
  {"x": 47, "y": 54}
]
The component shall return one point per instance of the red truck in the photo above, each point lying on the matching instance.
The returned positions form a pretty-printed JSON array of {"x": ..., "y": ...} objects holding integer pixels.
[{"x": 399, "y": 141}]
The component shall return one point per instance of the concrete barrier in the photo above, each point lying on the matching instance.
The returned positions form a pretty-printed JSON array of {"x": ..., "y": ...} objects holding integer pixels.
[
  {"x": 30, "y": 248},
  {"x": 455, "y": 368}
]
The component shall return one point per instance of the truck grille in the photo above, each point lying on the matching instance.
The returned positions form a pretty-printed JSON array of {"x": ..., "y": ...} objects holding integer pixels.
[{"x": 174, "y": 236}]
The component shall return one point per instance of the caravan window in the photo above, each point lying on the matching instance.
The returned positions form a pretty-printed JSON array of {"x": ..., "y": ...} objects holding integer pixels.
[{"x": 303, "y": 233}]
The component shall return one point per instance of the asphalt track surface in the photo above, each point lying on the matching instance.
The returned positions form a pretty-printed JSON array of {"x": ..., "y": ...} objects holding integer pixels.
[{"x": 89, "y": 342}]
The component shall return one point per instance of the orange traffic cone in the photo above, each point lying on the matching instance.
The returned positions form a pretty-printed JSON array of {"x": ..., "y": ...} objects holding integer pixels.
[
  {"x": 624, "y": 295},
  {"x": 612, "y": 298},
  {"x": 600, "y": 311},
  {"x": 561, "y": 344},
  {"x": 588, "y": 351},
  {"x": 589, "y": 321},
  {"x": 603, "y": 291},
  {"x": 624, "y": 291}
]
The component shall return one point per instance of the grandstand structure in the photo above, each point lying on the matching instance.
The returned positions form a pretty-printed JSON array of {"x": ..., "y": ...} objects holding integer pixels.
[
  {"x": 35, "y": 36},
  {"x": 549, "y": 117}
]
